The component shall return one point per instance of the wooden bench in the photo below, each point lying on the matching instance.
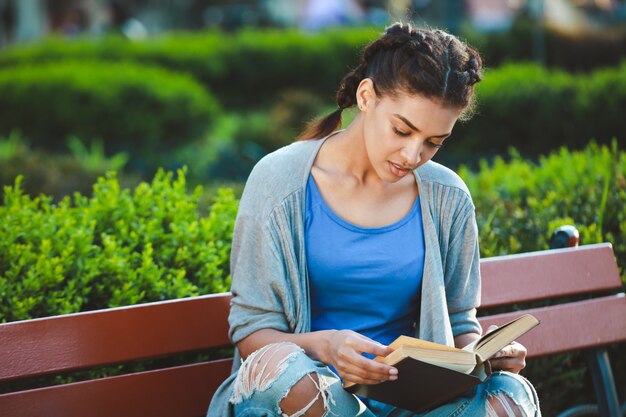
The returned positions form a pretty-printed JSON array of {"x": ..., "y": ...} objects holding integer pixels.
[{"x": 60, "y": 344}]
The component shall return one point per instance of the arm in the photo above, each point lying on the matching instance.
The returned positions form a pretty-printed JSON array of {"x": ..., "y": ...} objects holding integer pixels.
[
  {"x": 314, "y": 343},
  {"x": 462, "y": 272},
  {"x": 339, "y": 348},
  {"x": 265, "y": 307},
  {"x": 465, "y": 339}
]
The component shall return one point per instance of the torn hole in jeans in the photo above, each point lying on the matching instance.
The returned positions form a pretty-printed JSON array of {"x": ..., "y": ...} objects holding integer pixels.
[
  {"x": 274, "y": 359},
  {"x": 322, "y": 386},
  {"x": 505, "y": 401}
]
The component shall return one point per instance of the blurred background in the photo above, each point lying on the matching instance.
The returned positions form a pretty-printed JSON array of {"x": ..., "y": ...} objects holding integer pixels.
[
  {"x": 112, "y": 112},
  {"x": 91, "y": 85}
]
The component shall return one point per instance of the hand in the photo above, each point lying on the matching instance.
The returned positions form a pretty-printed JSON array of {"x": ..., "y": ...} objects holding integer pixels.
[
  {"x": 344, "y": 348},
  {"x": 511, "y": 358}
]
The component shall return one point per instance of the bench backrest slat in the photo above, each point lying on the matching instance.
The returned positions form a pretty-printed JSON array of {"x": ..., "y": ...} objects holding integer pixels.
[
  {"x": 548, "y": 274},
  {"x": 82, "y": 340},
  {"x": 174, "y": 392},
  {"x": 571, "y": 326}
]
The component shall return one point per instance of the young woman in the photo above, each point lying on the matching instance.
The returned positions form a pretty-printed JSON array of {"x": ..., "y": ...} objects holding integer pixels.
[{"x": 347, "y": 239}]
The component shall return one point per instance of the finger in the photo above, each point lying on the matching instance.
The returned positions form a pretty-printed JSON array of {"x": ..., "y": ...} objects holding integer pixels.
[
  {"x": 366, "y": 368},
  {"x": 514, "y": 365},
  {"x": 491, "y": 328},
  {"x": 505, "y": 352},
  {"x": 358, "y": 380},
  {"x": 365, "y": 345},
  {"x": 356, "y": 374},
  {"x": 512, "y": 350}
]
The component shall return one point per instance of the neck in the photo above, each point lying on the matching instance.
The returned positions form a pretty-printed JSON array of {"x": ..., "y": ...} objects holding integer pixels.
[{"x": 347, "y": 155}]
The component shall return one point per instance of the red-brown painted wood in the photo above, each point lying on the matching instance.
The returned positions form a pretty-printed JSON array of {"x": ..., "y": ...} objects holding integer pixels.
[
  {"x": 174, "y": 392},
  {"x": 572, "y": 326},
  {"x": 112, "y": 336},
  {"x": 548, "y": 274},
  {"x": 81, "y": 340}
]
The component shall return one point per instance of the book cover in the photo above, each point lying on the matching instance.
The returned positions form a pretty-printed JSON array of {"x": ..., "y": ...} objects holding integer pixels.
[
  {"x": 430, "y": 374},
  {"x": 438, "y": 386}
]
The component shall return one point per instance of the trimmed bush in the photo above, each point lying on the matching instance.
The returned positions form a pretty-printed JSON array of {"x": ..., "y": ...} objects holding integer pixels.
[
  {"x": 522, "y": 105},
  {"x": 580, "y": 50},
  {"x": 179, "y": 52},
  {"x": 519, "y": 202},
  {"x": 601, "y": 103},
  {"x": 130, "y": 107},
  {"x": 96, "y": 245},
  {"x": 55, "y": 174},
  {"x": 537, "y": 110},
  {"x": 516, "y": 108},
  {"x": 119, "y": 247},
  {"x": 246, "y": 68}
]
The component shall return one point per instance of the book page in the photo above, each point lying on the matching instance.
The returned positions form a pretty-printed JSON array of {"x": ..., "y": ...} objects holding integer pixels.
[
  {"x": 412, "y": 341},
  {"x": 492, "y": 342}
]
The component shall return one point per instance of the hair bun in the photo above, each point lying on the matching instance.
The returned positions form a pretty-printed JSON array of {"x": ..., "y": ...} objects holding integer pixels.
[
  {"x": 398, "y": 29},
  {"x": 473, "y": 77},
  {"x": 397, "y": 35},
  {"x": 473, "y": 70}
]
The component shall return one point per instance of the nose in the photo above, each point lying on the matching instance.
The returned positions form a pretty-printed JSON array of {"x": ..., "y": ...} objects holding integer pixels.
[{"x": 412, "y": 154}]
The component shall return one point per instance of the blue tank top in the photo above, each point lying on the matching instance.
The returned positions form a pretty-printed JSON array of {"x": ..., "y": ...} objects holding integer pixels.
[{"x": 361, "y": 278}]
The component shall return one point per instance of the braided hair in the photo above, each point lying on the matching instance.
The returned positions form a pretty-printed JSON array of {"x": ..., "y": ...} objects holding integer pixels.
[{"x": 426, "y": 62}]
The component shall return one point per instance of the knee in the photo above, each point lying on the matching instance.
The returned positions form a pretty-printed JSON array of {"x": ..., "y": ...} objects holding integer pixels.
[
  {"x": 306, "y": 398},
  {"x": 511, "y": 395},
  {"x": 301, "y": 393}
]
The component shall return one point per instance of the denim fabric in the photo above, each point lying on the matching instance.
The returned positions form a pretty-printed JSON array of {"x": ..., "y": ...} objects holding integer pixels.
[{"x": 343, "y": 404}]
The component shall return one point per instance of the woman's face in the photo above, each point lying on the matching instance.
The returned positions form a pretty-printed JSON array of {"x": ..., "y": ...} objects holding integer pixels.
[{"x": 403, "y": 132}]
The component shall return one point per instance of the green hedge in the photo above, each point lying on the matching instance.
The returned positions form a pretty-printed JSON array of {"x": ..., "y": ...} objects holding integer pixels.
[
  {"x": 247, "y": 68},
  {"x": 130, "y": 107},
  {"x": 525, "y": 106},
  {"x": 537, "y": 110},
  {"x": 519, "y": 202},
  {"x": 579, "y": 50},
  {"x": 116, "y": 248},
  {"x": 56, "y": 174},
  {"x": 522, "y": 105}
]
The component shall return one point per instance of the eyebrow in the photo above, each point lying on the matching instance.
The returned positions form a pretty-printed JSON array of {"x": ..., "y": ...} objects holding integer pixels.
[{"x": 412, "y": 126}]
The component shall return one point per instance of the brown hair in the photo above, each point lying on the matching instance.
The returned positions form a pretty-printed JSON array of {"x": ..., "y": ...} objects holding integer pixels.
[{"x": 426, "y": 62}]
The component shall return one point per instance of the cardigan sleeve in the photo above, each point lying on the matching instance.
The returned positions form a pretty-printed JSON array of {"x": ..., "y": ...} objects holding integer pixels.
[
  {"x": 462, "y": 273},
  {"x": 258, "y": 287}
]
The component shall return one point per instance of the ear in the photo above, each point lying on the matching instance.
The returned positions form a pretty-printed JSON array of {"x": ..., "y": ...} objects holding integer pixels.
[{"x": 365, "y": 94}]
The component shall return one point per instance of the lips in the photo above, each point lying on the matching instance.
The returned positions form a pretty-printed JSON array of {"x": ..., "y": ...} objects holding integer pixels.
[{"x": 397, "y": 170}]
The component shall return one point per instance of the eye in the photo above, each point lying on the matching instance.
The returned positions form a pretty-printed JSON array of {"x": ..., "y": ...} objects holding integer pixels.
[
  {"x": 435, "y": 145},
  {"x": 400, "y": 133}
]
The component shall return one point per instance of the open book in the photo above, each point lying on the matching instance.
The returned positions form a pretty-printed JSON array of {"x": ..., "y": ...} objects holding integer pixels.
[{"x": 429, "y": 374}]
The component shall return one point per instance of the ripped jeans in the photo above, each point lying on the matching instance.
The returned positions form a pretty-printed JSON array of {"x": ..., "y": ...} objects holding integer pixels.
[{"x": 266, "y": 377}]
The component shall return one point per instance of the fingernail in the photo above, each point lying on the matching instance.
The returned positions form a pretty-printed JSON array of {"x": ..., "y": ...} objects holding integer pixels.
[
  {"x": 393, "y": 377},
  {"x": 393, "y": 371}
]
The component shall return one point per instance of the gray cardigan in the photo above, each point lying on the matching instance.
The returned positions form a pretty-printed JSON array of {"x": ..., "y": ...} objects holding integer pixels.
[{"x": 268, "y": 265}]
